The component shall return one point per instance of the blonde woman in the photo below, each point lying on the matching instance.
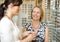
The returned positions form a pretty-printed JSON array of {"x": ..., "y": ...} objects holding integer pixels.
[{"x": 40, "y": 28}]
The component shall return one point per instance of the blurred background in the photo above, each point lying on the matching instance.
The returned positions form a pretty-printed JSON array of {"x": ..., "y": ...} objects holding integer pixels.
[{"x": 51, "y": 9}]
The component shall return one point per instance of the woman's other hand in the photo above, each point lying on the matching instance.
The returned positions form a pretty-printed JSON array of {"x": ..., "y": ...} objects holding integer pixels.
[{"x": 31, "y": 36}]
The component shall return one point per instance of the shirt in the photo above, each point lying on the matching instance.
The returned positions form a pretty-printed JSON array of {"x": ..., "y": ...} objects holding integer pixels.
[{"x": 8, "y": 31}]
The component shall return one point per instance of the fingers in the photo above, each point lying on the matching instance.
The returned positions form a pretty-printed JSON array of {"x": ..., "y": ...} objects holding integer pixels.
[
  {"x": 27, "y": 33},
  {"x": 31, "y": 32},
  {"x": 30, "y": 35}
]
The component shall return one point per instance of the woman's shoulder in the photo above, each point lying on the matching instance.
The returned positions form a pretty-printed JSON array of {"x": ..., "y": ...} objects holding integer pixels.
[
  {"x": 27, "y": 24},
  {"x": 4, "y": 19},
  {"x": 5, "y": 25},
  {"x": 4, "y": 22},
  {"x": 43, "y": 23}
]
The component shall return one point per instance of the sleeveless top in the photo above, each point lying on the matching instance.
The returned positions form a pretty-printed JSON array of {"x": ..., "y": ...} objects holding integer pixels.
[{"x": 40, "y": 33}]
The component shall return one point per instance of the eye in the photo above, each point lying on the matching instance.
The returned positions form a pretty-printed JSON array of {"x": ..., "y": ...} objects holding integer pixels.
[
  {"x": 38, "y": 12},
  {"x": 34, "y": 11}
]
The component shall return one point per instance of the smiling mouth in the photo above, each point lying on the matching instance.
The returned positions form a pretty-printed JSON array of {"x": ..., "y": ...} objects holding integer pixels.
[{"x": 35, "y": 16}]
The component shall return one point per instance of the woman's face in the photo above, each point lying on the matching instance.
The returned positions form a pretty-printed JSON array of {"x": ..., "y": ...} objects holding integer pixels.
[
  {"x": 36, "y": 13},
  {"x": 15, "y": 10}
]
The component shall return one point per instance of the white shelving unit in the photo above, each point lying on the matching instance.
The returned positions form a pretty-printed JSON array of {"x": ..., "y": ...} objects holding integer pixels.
[{"x": 25, "y": 13}]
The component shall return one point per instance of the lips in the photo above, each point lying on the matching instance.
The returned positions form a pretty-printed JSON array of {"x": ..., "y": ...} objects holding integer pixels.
[{"x": 35, "y": 16}]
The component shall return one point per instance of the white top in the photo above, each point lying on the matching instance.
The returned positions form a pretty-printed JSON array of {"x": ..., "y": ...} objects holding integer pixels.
[{"x": 8, "y": 31}]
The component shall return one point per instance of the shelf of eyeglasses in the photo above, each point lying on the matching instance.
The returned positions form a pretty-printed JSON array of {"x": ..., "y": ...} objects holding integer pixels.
[
  {"x": 52, "y": 4},
  {"x": 51, "y": 40},
  {"x": 55, "y": 31},
  {"x": 58, "y": 31},
  {"x": 51, "y": 25},
  {"x": 52, "y": 9},
  {"x": 52, "y": 21},
  {"x": 53, "y": 18},
  {"x": 52, "y": 1},
  {"x": 53, "y": 13},
  {"x": 58, "y": 17},
  {"x": 58, "y": 36},
  {"x": 57, "y": 39},
  {"x": 58, "y": 24},
  {"x": 59, "y": 11},
  {"x": 53, "y": 34},
  {"x": 59, "y": 7},
  {"x": 58, "y": 21},
  {"x": 47, "y": 20}
]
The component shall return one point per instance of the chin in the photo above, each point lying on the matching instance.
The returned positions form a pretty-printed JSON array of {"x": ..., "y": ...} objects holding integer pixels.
[{"x": 34, "y": 19}]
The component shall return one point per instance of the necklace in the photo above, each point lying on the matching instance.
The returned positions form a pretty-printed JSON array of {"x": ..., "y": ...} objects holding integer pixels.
[
  {"x": 35, "y": 27},
  {"x": 9, "y": 18}
]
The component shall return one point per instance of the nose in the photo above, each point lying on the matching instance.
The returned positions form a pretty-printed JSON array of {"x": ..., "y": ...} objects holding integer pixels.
[{"x": 35, "y": 12}]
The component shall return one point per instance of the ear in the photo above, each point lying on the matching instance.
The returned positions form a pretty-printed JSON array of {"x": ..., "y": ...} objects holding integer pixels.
[{"x": 10, "y": 5}]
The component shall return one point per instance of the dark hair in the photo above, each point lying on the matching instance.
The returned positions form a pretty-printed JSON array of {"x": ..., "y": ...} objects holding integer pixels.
[
  {"x": 4, "y": 5},
  {"x": 41, "y": 12}
]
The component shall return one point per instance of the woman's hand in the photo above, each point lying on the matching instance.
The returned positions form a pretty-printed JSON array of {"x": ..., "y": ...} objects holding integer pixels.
[
  {"x": 28, "y": 36},
  {"x": 25, "y": 34},
  {"x": 32, "y": 36}
]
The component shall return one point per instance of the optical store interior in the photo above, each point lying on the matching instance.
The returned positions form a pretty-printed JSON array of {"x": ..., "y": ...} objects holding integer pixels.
[{"x": 51, "y": 16}]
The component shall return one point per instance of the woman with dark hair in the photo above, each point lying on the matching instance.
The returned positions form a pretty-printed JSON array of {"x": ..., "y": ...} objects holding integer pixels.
[
  {"x": 9, "y": 32},
  {"x": 36, "y": 25}
]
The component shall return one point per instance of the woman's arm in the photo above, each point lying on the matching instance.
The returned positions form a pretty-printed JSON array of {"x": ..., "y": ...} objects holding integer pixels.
[
  {"x": 27, "y": 35},
  {"x": 47, "y": 35},
  {"x": 24, "y": 32},
  {"x": 24, "y": 29}
]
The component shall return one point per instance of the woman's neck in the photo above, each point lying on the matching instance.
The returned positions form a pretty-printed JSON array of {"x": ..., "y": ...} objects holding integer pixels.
[
  {"x": 35, "y": 22},
  {"x": 9, "y": 15},
  {"x": 35, "y": 25}
]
